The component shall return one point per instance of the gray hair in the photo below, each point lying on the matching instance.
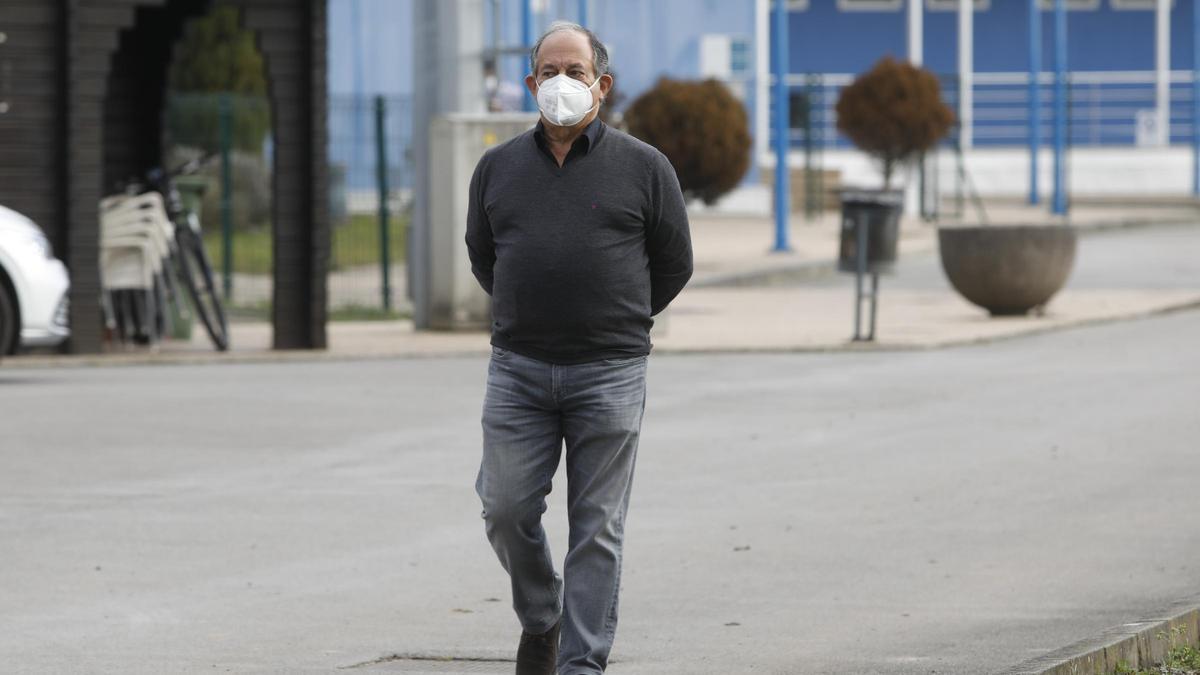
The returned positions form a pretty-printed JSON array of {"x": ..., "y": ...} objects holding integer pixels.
[{"x": 599, "y": 51}]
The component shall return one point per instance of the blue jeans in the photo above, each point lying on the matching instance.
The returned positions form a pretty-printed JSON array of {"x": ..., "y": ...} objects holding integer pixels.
[{"x": 530, "y": 409}]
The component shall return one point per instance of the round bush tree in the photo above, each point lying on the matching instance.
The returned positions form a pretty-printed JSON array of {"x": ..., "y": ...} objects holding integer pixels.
[
  {"x": 701, "y": 128},
  {"x": 894, "y": 112}
]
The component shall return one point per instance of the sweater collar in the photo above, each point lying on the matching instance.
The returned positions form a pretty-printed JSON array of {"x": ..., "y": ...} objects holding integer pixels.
[{"x": 585, "y": 142}]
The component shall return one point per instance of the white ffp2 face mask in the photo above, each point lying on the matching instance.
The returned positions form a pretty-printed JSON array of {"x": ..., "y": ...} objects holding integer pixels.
[{"x": 564, "y": 101}]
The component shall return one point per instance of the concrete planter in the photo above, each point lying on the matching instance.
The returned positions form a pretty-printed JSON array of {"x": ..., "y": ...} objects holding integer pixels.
[{"x": 1008, "y": 269}]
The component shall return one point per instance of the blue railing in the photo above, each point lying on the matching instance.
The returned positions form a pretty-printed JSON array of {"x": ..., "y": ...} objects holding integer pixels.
[{"x": 1104, "y": 108}]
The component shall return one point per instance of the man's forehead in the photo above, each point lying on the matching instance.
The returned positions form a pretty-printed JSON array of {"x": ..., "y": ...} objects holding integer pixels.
[
  {"x": 564, "y": 62},
  {"x": 565, "y": 48}
]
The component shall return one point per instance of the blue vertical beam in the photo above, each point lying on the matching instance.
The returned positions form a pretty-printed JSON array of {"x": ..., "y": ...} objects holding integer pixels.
[
  {"x": 1060, "y": 107},
  {"x": 1196, "y": 98},
  {"x": 782, "y": 184},
  {"x": 583, "y": 13},
  {"x": 1035, "y": 99},
  {"x": 527, "y": 41}
]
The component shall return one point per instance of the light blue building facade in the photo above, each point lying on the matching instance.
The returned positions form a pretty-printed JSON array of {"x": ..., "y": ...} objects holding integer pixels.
[{"x": 1128, "y": 76}]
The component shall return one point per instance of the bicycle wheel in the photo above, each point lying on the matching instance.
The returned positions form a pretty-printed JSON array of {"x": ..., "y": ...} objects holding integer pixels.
[{"x": 197, "y": 276}]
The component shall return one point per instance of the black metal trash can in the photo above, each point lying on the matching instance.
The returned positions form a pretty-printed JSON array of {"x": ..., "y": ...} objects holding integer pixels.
[{"x": 880, "y": 209}]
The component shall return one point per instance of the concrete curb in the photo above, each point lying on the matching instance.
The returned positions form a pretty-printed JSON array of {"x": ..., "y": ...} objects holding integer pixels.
[
  {"x": 806, "y": 271},
  {"x": 886, "y": 347},
  {"x": 13, "y": 365},
  {"x": 1135, "y": 223},
  {"x": 1136, "y": 644}
]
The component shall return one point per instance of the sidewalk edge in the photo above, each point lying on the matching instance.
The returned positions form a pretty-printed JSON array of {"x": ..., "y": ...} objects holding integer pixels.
[
  {"x": 1136, "y": 644},
  {"x": 823, "y": 268}
]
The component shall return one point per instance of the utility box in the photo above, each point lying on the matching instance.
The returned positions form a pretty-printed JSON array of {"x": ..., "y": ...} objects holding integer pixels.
[{"x": 457, "y": 142}]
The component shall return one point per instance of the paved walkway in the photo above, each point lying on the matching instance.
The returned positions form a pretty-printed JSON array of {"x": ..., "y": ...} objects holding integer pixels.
[{"x": 744, "y": 297}]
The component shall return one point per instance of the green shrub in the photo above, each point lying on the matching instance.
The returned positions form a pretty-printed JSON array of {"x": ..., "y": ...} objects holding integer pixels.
[
  {"x": 701, "y": 128},
  {"x": 217, "y": 55},
  {"x": 894, "y": 112}
]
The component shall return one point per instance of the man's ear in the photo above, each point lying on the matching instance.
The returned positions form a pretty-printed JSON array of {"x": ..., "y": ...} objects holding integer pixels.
[
  {"x": 531, "y": 85},
  {"x": 606, "y": 85}
]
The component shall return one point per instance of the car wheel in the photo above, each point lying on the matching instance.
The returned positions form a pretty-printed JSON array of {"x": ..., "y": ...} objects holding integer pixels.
[{"x": 9, "y": 330}]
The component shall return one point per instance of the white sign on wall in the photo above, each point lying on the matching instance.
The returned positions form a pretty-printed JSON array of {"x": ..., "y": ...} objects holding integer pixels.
[
  {"x": 716, "y": 56},
  {"x": 1146, "y": 128}
]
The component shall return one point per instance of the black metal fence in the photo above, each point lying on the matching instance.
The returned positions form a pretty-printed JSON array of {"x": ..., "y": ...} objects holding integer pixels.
[{"x": 370, "y": 183}]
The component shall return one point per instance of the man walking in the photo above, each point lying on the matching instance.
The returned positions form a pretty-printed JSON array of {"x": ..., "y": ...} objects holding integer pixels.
[{"x": 578, "y": 232}]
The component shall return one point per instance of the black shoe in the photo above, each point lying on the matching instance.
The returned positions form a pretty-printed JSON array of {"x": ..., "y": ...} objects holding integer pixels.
[{"x": 538, "y": 654}]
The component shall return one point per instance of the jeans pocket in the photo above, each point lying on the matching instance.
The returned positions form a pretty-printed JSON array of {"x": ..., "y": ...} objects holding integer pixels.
[{"x": 498, "y": 353}]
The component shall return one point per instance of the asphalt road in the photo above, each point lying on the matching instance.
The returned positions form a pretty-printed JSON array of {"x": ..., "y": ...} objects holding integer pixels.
[{"x": 930, "y": 512}]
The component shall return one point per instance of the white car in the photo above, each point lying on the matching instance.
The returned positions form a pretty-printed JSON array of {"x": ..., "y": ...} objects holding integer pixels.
[{"x": 33, "y": 287}]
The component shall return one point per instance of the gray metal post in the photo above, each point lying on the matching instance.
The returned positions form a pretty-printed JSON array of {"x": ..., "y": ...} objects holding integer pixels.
[
  {"x": 448, "y": 47},
  {"x": 1059, "y": 205},
  {"x": 862, "y": 241},
  {"x": 874, "y": 304},
  {"x": 529, "y": 105}
]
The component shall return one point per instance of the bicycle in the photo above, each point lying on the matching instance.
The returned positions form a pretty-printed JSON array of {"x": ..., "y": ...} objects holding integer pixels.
[{"x": 187, "y": 259}]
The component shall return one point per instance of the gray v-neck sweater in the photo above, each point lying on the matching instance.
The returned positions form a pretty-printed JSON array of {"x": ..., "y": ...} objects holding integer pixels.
[{"x": 577, "y": 258}]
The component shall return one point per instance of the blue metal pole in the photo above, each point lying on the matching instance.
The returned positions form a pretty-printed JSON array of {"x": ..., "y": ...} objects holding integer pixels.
[
  {"x": 583, "y": 13},
  {"x": 1196, "y": 98},
  {"x": 1035, "y": 99},
  {"x": 1060, "y": 107},
  {"x": 527, "y": 40},
  {"x": 782, "y": 184}
]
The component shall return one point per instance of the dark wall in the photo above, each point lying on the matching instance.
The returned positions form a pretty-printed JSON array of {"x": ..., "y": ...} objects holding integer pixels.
[
  {"x": 137, "y": 83},
  {"x": 32, "y": 154},
  {"x": 86, "y": 80},
  {"x": 292, "y": 39}
]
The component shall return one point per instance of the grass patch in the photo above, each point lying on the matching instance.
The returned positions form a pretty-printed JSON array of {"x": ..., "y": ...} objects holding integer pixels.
[
  {"x": 355, "y": 244},
  {"x": 251, "y": 251},
  {"x": 1182, "y": 659},
  {"x": 262, "y": 312},
  {"x": 360, "y": 313},
  {"x": 249, "y": 312}
]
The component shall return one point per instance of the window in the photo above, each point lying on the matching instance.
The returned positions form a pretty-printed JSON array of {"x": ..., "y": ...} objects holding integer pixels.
[
  {"x": 1137, "y": 4},
  {"x": 952, "y": 5},
  {"x": 1072, "y": 5},
  {"x": 869, "y": 5},
  {"x": 725, "y": 57},
  {"x": 739, "y": 57}
]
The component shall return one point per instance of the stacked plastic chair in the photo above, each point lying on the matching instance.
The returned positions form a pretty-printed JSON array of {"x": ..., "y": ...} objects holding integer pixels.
[{"x": 136, "y": 238}]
